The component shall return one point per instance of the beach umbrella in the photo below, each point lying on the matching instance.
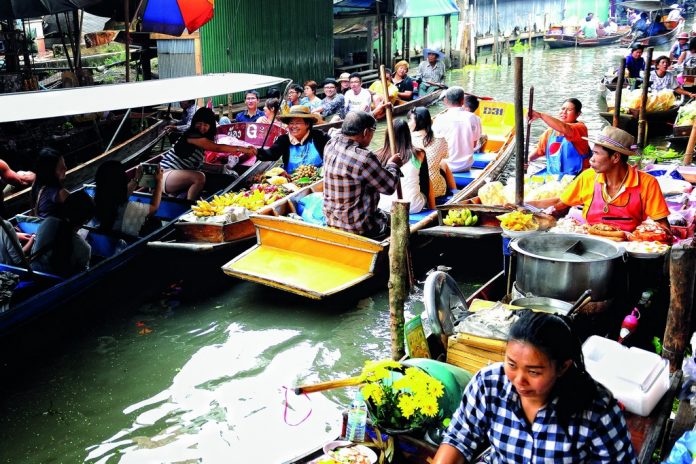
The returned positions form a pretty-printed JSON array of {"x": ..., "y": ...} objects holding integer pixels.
[{"x": 172, "y": 17}]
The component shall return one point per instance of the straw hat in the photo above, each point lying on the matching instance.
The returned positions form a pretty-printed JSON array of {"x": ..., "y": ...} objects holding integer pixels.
[
  {"x": 615, "y": 139},
  {"x": 298, "y": 111},
  {"x": 434, "y": 51},
  {"x": 343, "y": 77}
]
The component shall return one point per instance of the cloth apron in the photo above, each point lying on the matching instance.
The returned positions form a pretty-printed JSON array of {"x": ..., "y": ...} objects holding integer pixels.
[
  {"x": 303, "y": 154},
  {"x": 625, "y": 216},
  {"x": 561, "y": 156}
]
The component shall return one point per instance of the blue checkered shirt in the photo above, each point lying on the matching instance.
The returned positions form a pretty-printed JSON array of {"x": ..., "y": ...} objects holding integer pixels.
[{"x": 491, "y": 411}]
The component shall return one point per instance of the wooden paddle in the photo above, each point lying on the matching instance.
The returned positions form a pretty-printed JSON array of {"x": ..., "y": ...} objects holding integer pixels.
[
  {"x": 529, "y": 124},
  {"x": 390, "y": 123},
  {"x": 329, "y": 385}
]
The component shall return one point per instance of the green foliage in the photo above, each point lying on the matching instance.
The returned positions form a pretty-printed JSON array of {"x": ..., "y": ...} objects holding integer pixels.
[
  {"x": 657, "y": 344},
  {"x": 519, "y": 46}
]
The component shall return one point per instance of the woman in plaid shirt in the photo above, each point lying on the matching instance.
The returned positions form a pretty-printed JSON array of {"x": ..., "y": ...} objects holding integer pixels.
[{"x": 539, "y": 406}]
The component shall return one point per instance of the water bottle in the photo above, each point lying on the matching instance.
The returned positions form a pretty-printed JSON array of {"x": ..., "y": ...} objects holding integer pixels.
[{"x": 357, "y": 418}]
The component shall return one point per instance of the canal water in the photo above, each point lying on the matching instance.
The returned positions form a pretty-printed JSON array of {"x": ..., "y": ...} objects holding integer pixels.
[{"x": 171, "y": 361}]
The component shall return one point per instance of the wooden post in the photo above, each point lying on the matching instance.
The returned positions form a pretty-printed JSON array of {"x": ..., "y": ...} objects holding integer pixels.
[
  {"x": 519, "y": 132},
  {"x": 689, "y": 155},
  {"x": 448, "y": 40},
  {"x": 509, "y": 50},
  {"x": 642, "y": 123},
  {"x": 398, "y": 275},
  {"x": 463, "y": 33},
  {"x": 531, "y": 30},
  {"x": 619, "y": 90},
  {"x": 229, "y": 105},
  {"x": 407, "y": 39},
  {"x": 496, "y": 45},
  {"x": 126, "y": 14},
  {"x": 425, "y": 33},
  {"x": 682, "y": 271},
  {"x": 472, "y": 37}
]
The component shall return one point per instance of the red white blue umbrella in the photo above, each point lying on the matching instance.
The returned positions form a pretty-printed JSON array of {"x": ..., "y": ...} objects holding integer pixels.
[{"x": 172, "y": 17}]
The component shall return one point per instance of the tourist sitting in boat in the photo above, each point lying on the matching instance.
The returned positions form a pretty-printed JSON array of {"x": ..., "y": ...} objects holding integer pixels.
[
  {"x": 402, "y": 81},
  {"x": 181, "y": 163},
  {"x": 344, "y": 81},
  {"x": 252, "y": 112},
  {"x": 113, "y": 210},
  {"x": 270, "y": 112},
  {"x": 58, "y": 248},
  {"x": 471, "y": 104},
  {"x": 675, "y": 13},
  {"x": 686, "y": 59},
  {"x": 679, "y": 47},
  {"x": 354, "y": 179},
  {"x": 458, "y": 127},
  {"x": 640, "y": 27},
  {"x": 661, "y": 78},
  {"x": 12, "y": 252},
  {"x": 657, "y": 27},
  {"x": 331, "y": 108},
  {"x": 422, "y": 136},
  {"x": 47, "y": 192},
  {"x": 539, "y": 403},
  {"x": 310, "y": 98},
  {"x": 415, "y": 177},
  {"x": 612, "y": 192},
  {"x": 377, "y": 91},
  {"x": 589, "y": 27},
  {"x": 302, "y": 145},
  {"x": 8, "y": 176},
  {"x": 177, "y": 128},
  {"x": 357, "y": 98},
  {"x": 431, "y": 72},
  {"x": 563, "y": 143},
  {"x": 293, "y": 98},
  {"x": 610, "y": 27}
]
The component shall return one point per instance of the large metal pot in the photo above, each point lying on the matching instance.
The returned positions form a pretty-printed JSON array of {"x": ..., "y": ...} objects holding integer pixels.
[{"x": 562, "y": 266}]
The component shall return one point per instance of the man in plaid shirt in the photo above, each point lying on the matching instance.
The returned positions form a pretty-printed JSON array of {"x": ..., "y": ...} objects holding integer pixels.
[{"x": 354, "y": 178}]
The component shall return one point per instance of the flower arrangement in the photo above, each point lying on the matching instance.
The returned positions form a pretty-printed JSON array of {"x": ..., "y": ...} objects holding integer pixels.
[{"x": 400, "y": 401}]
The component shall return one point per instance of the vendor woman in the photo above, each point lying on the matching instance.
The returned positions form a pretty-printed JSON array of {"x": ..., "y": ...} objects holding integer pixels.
[
  {"x": 539, "y": 405},
  {"x": 612, "y": 192},
  {"x": 302, "y": 145},
  {"x": 563, "y": 143}
]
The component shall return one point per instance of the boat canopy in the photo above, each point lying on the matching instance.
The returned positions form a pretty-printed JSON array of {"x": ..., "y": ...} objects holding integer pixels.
[
  {"x": 99, "y": 98},
  {"x": 645, "y": 5}
]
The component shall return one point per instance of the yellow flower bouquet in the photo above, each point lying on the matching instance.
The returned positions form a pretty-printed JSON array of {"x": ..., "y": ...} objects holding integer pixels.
[{"x": 400, "y": 399}]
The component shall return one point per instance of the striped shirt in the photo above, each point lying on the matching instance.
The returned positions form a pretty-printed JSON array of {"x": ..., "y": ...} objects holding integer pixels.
[
  {"x": 353, "y": 180},
  {"x": 491, "y": 411},
  {"x": 183, "y": 155}
]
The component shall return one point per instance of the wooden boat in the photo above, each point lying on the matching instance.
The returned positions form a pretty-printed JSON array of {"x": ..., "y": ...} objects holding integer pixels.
[
  {"x": 38, "y": 293},
  {"x": 317, "y": 261},
  {"x": 554, "y": 39},
  {"x": 673, "y": 29},
  {"x": 398, "y": 110},
  {"x": 127, "y": 152},
  {"x": 658, "y": 122}
]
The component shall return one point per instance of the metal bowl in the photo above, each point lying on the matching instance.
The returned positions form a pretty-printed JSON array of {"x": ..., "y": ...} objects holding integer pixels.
[{"x": 549, "y": 305}]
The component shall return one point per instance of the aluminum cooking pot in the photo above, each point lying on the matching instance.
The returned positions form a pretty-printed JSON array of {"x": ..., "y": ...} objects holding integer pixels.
[
  {"x": 541, "y": 303},
  {"x": 562, "y": 266}
]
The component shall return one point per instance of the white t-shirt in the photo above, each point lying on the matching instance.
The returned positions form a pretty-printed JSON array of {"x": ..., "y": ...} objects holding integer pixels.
[
  {"x": 359, "y": 102},
  {"x": 460, "y": 129},
  {"x": 131, "y": 217},
  {"x": 410, "y": 190}
]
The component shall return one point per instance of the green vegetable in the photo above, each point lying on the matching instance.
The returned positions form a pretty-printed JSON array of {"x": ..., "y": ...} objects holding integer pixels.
[
  {"x": 687, "y": 114},
  {"x": 657, "y": 344}
]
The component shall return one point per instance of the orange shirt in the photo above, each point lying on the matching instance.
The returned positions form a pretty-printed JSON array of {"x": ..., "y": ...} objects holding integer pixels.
[
  {"x": 581, "y": 190},
  {"x": 578, "y": 131}
]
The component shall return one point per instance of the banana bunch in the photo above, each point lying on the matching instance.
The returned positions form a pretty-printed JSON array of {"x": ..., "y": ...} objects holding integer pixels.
[
  {"x": 460, "y": 217},
  {"x": 204, "y": 208},
  {"x": 251, "y": 200},
  {"x": 518, "y": 221}
]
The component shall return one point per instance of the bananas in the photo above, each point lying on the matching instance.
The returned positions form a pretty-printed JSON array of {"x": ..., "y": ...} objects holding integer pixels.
[
  {"x": 253, "y": 199},
  {"x": 460, "y": 217}
]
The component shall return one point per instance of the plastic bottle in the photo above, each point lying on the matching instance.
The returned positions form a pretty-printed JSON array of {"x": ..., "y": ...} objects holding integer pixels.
[
  {"x": 357, "y": 418},
  {"x": 629, "y": 324}
]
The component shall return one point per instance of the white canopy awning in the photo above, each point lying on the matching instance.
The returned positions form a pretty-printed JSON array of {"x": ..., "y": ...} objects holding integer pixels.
[{"x": 95, "y": 99}]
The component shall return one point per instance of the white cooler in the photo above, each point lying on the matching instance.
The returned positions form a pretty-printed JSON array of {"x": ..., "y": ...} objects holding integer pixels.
[{"x": 637, "y": 378}]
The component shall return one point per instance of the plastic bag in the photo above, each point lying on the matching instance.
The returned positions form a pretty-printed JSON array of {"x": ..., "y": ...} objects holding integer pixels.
[
  {"x": 683, "y": 450},
  {"x": 310, "y": 208}
]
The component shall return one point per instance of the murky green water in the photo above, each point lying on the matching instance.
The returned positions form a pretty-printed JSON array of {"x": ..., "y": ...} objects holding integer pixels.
[{"x": 140, "y": 372}]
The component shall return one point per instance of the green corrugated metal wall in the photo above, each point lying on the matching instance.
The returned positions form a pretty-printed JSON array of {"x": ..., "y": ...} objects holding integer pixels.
[{"x": 284, "y": 38}]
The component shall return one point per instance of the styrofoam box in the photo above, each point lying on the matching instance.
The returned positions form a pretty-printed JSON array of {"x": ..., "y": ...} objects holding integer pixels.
[{"x": 637, "y": 378}]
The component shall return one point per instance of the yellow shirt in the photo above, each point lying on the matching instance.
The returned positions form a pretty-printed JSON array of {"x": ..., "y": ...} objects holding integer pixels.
[
  {"x": 581, "y": 191},
  {"x": 376, "y": 88}
]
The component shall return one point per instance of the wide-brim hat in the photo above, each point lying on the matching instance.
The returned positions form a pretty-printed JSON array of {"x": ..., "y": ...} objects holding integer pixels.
[
  {"x": 683, "y": 35},
  {"x": 298, "y": 111},
  {"x": 675, "y": 6},
  {"x": 435, "y": 51},
  {"x": 615, "y": 139},
  {"x": 343, "y": 77}
]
